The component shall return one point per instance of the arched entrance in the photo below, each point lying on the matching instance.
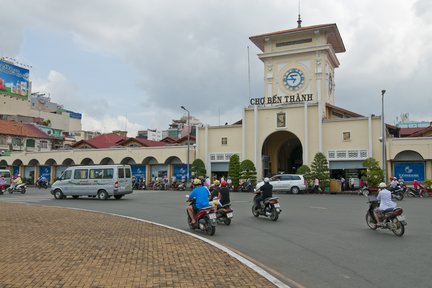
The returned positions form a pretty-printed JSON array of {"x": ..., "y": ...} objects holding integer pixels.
[
  {"x": 282, "y": 152},
  {"x": 409, "y": 165}
]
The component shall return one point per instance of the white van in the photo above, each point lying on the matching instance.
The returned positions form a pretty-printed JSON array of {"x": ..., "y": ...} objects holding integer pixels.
[
  {"x": 7, "y": 176},
  {"x": 102, "y": 181}
]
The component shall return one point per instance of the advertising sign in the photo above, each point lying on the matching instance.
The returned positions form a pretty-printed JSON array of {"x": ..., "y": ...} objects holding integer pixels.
[
  {"x": 45, "y": 171},
  {"x": 139, "y": 171},
  {"x": 14, "y": 80},
  {"x": 410, "y": 171},
  {"x": 180, "y": 171}
]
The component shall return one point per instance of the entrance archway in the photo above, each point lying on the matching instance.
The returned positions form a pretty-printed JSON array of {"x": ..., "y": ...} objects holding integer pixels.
[{"x": 282, "y": 152}]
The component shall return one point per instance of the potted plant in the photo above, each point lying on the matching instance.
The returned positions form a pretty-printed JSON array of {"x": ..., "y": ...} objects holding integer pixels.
[
  {"x": 373, "y": 174},
  {"x": 428, "y": 186}
]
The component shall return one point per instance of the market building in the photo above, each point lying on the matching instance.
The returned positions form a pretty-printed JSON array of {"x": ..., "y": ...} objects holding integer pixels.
[{"x": 296, "y": 118}]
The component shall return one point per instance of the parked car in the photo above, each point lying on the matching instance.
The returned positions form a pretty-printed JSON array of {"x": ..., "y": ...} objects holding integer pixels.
[{"x": 293, "y": 183}]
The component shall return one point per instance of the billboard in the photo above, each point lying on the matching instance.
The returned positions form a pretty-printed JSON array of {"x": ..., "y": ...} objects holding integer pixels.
[
  {"x": 14, "y": 80},
  {"x": 410, "y": 171}
]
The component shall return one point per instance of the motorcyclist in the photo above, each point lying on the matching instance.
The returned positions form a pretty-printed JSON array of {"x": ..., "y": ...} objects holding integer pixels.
[
  {"x": 386, "y": 203},
  {"x": 266, "y": 192},
  {"x": 201, "y": 195},
  {"x": 41, "y": 181},
  {"x": 17, "y": 181},
  {"x": 224, "y": 194},
  {"x": 215, "y": 193}
]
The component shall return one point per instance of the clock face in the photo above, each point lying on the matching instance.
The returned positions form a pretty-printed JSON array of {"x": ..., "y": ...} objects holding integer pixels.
[{"x": 293, "y": 79}]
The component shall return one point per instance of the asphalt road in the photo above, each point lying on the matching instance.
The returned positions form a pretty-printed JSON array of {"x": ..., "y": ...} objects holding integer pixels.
[{"x": 318, "y": 241}]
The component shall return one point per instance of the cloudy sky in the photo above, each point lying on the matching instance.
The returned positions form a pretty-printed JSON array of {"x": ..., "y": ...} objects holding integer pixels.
[{"x": 131, "y": 64}]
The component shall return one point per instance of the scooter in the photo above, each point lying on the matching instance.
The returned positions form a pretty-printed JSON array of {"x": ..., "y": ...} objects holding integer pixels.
[
  {"x": 270, "y": 209},
  {"x": 224, "y": 214},
  {"x": 392, "y": 219},
  {"x": 397, "y": 193},
  {"x": 21, "y": 188},
  {"x": 42, "y": 184},
  {"x": 205, "y": 219}
]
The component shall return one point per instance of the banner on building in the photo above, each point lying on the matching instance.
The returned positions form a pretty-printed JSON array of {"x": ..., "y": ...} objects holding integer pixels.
[
  {"x": 45, "y": 171},
  {"x": 14, "y": 80},
  {"x": 180, "y": 171},
  {"x": 139, "y": 171},
  {"x": 410, "y": 171}
]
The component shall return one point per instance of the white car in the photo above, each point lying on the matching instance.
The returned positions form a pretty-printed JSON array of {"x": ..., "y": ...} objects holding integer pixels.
[{"x": 293, "y": 183}]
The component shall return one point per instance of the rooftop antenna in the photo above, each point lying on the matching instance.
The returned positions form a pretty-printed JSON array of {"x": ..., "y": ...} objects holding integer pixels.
[{"x": 299, "y": 21}]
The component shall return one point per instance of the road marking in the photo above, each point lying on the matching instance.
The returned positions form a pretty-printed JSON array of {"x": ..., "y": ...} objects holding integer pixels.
[{"x": 317, "y": 207}]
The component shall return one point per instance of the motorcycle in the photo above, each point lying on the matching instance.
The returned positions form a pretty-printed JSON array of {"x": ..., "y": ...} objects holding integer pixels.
[
  {"x": 392, "y": 220},
  {"x": 205, "y": 219},
  {"x": 397, "y": 193},
  {"x": 224, "y": 214},
  {"x": 42, "y": 184},
  {"x": 270, "y": 209},
  {"x": 21, "y": 188}
]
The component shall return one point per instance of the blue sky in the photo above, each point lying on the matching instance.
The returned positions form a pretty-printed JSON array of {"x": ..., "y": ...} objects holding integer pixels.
[{"x": 132, "y": 64}]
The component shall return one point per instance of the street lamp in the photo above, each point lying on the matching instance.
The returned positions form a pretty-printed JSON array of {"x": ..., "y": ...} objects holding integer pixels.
[
  {"x": 188, "y": 142},
  {"x": 383, "y": 136}
]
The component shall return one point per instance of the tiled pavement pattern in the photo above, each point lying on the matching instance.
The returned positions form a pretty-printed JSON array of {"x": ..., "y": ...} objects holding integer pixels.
[{"x": 54, "y": 247}]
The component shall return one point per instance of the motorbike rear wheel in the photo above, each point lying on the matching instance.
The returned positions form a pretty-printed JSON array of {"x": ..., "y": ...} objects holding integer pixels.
[
  {"x": 210, "y": 229},
  {"x": 23, "y": 190},
  {"x": 274, "y": 214},
  {"x": 370, "y": 221},
  {"x": 397, "y": 227},
  {"x": 227, "y": 221}
]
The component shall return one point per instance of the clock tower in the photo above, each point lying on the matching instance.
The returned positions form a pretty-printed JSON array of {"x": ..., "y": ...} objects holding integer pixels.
[{"x": 299, "y": 63}]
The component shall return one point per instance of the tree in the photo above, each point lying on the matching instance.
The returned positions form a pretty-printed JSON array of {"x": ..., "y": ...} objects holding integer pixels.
[
  {"x": 373, "y": 174},
  {"x": 234, "y": 170},
  {"x": 306, "y": 172},
  {"x": 248, "y": 170},
  {"x": 320, "y": 170},
  {"x": 198, "y": 168}
]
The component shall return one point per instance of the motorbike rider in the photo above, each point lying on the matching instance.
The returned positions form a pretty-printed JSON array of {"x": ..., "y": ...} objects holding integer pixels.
[
  {"x": 17, "y": 181},
  {"x": 214, "y": 193},
  {"x": 41, "y": 180},
  {"x": 386, "y": 203},
  {"x": 266, "y": 192},
  {"x": 201, "y": 195},
  {"x": 223, "y": 196}
]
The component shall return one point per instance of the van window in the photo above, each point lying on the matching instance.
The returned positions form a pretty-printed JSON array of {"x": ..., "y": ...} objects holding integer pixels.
[
  {"x": 66, "y": 175},
  {"x": 101, "y": 173},
  {"x": 81, "y": 174},
  {"x": 128, "y": 173},
  {"x": 5, "y": 174},
  {"x": 120, "y": 172}
]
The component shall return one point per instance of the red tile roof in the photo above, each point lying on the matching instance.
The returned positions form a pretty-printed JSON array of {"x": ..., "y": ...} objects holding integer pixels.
[
  {"x": 413, "y": 132},
  {"x": 144, "y": 142},
  {"x": 14, "y": 128},
  {"x": 102, "y": 141}
]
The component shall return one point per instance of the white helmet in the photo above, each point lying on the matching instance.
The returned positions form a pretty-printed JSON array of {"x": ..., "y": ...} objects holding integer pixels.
[
  {"x": 382, "y": 185},
  {"x": 266, "y": 179}
]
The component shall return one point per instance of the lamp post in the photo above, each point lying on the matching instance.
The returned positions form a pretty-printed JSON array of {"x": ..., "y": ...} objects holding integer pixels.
[
  {"x": 188, "y": 142},
  {"x": 384, "y": 166}
]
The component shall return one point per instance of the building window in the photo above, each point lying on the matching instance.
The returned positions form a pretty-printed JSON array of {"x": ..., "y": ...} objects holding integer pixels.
[
  {"x": 224, "y": 140},
  {"x": 281, "y": 120},
  {"x": 31, "y": 143},
  {"x": 43, "y": 144},
  {"x": 346, "y": 136}
]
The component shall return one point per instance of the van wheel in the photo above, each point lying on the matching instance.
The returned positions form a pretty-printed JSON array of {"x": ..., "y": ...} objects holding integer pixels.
[
  {"x": 58, "y": 194},
  {"x": 102, "y": 195},
  {"x": 118, "y": 197}
]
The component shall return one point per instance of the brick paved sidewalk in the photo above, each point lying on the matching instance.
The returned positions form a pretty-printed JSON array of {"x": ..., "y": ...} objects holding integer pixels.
[{"x": 54, "y": 247}]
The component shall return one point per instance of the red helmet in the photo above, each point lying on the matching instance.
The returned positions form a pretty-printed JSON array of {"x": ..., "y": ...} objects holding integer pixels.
[{"x": 223, "y": 184}]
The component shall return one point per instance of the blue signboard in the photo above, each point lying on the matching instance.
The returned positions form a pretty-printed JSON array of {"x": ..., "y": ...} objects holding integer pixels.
[
  {"x": 138, "y": 171},
  {"x": 14, "y": 80},
  {"x": 15, "y": 170},
  {"x": 45, "y": 171},
  {"x": 410, "y": 171},
  {"x": 180, "y": 171}
]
